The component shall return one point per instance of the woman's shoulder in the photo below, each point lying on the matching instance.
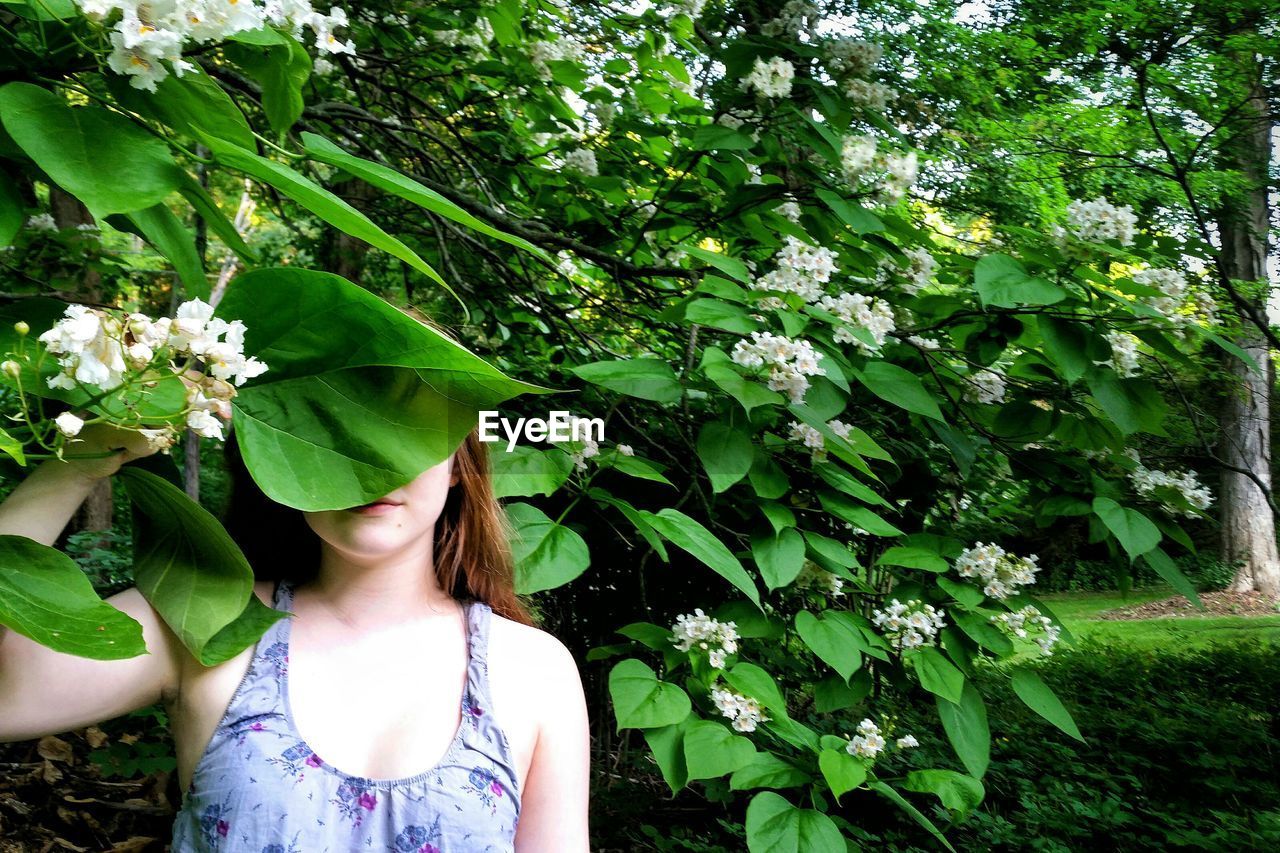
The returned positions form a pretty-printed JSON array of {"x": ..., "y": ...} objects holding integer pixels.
[{"x": 531, "y": 650}]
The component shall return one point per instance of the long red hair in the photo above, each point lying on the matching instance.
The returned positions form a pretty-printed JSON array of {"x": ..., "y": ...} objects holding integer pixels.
[{"x": 473, "y": 539}]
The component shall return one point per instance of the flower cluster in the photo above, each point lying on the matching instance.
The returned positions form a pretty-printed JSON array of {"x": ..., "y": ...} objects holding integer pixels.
[
  {"x": 1124, "y": 353},
  {"x": 801, "y": 269},
  {"x": 870, "y": 313},
  {"x": 744, "y": 711},
  {"x": 558, "y": 50},
  {"x": 910, "y": 625},
  {"x": 96, "y": 347},
  {"x": 1174, "y": 288},
  {"x": 813, "y": 576},
  {"x": 868, "y": 742},
  {"x": 583, "y": 161},
  {"x": 150, "y": 32},
  {"x": 811, "y": 438},
  {"x": 1147, "y": 480},
  {"x": 475, "y": 40},
  {"x": 985, "y": 386},
  {"x": 790, "y": 362},
  {"x": 924, "y": 343},
  {"x": 919, "y": 271},
  {"x": 1000, "y": 572},
  {"x": 1098, "y": 220},
  {"x": 796, "y": 17},
  {"x": 892, "y": 173},
  {"x": 718, "y": 639},
  {"x": 850, "y": 56},
  {"x": 770, "y": 79},
  {"x": 1027, "y": 622}
]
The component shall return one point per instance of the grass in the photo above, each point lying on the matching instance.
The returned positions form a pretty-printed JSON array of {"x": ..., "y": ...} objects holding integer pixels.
[{"x": 1079, "y": 611}]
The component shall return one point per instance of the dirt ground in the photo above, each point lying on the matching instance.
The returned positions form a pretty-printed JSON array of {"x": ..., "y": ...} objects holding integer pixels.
[
  {"x": 1215, "y": 604},
  {"x": 52, "y": 798}
]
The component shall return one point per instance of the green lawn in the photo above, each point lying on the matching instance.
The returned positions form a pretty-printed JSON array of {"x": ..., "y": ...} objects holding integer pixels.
[{"x": 1079, "y": 612}]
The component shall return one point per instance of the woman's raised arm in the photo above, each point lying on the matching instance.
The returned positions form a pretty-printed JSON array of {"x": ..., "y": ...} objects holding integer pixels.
[{"x": 46, "y": 692}]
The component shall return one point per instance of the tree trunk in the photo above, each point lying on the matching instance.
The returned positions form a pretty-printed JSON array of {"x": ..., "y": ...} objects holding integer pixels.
[
  {"x": 68, "y": 212},
  {"x": 1248, "y": 524}
]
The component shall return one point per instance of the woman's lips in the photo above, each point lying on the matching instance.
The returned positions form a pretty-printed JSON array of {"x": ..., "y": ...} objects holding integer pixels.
[{"x": 375, "y": 508}]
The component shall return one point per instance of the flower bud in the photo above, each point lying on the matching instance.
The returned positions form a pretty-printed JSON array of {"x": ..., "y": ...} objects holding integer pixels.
[
  {"x": 12, "y": 368},
  {"x": 21, "y": 327}
]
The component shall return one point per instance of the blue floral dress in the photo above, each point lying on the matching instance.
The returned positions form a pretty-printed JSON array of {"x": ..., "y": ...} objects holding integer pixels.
[{"x": 260, "y": 788}]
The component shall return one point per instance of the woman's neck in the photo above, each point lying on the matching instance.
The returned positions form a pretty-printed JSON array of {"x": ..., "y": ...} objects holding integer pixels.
[{"x": 385, "y": 591}]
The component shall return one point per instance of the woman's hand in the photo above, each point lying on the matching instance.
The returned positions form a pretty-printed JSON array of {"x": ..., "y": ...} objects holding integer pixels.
[{"x": 122, "y": 445}]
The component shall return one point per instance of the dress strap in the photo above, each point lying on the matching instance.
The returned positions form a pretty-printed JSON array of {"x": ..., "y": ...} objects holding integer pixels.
[{"x": 479, "y": 618}]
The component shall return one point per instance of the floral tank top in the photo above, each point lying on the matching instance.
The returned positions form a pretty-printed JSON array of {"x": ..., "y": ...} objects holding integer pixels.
[{"x": 259, "y": 788}]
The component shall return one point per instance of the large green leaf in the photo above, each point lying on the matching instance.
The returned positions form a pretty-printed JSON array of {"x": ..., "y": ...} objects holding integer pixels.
[
  {"x": 1040, "y": 698},
  {"x": 281, "y": 70},
  {"x": 524, "y": 471},
  {"x": 321, "y": 202},
  {"x": 842, "y": 771},
  {"x": 191, "y": 571},
  {"x": 166, "y": 233},
  {"x": 767, "y": 770},
  {"x": 1136, "y": 532},
  {"x": 389, "y": 180},
  {"x": 188, "y": 103},
  {"x": 1003, "y": 282},
  {"x": 834, "y": 638},
  {"x": 914, "y": 813},
  {"x": 954, "y": 790},
  {"x": 641, "y": 701},
  {"x": 667, "y": 744},
  {"x": 645, "y": 378},
  {"x": 407, "y": 395},
  {"x": 204, "y": 205},
  {"x": 774, "y": 825},
  {"x": 689, "y": 535},
  {"x": 726, "y": 454},
  {"x": 45, "y": 596},
  {"x": 547, "y": 554},
  {"x": 712, "y": 750},
  {"x": 779, "y": 556},
  {"x": 966, "y": 726},
  {"x": 11, "y": 209},
  {"x": 100, "y": 157},
  {"x": 1167, "y": 569},
  {"x": 895, "y": 385},
  {"x": 937, "y": 674}
]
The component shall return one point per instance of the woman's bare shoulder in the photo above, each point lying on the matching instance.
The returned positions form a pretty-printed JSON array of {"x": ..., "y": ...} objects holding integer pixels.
[{"x": 537, "y": 653}]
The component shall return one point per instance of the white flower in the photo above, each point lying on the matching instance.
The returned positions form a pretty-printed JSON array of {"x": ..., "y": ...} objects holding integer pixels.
[
  {"x": 771, "y": 79},
  {"x": 868, "y": 742},
  {"x": 812, "y": 576},
  {"x": 1027, "y": 622},
  {"x": 625, "y": 450},
  {"x": 90, "y": 349},
  {"x": 68, "y": 424},
  {"x": 1124, "y": 353},
  {"x": 718, "y": 639},
  {"x": 1000, "y": 572},
  {"x": 1098, "y": 220},
  {"x": 985, "y": 386},
  {"x": 744, "y": 711},
  {"x": 851, "y": 56},
  {"x": 907, "y": 742},
  {"x": 796, "y": 19},
  {"x": 42, "y": 222},
  {"x": 857, "y": 154},
  {"x": 1147, "y": 480},
  {"x": 582, "y": 160},
  {"x": 910, "y": 625},
  {"x": 801, "y": 269},
  {"x": 790, "y": 361},
  {"x": 856, "y": 311},
  {"x": 204, "y": 424}
]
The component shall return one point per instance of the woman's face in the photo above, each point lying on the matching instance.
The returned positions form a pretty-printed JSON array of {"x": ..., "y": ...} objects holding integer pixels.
[{"x": 386, "y": 530}]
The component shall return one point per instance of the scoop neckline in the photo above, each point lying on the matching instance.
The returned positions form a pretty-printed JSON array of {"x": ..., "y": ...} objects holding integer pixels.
[{"x": 367, "y": 781}]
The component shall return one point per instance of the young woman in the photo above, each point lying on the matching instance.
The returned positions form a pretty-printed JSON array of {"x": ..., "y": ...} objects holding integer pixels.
[{"x": 407, "y": 704}]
